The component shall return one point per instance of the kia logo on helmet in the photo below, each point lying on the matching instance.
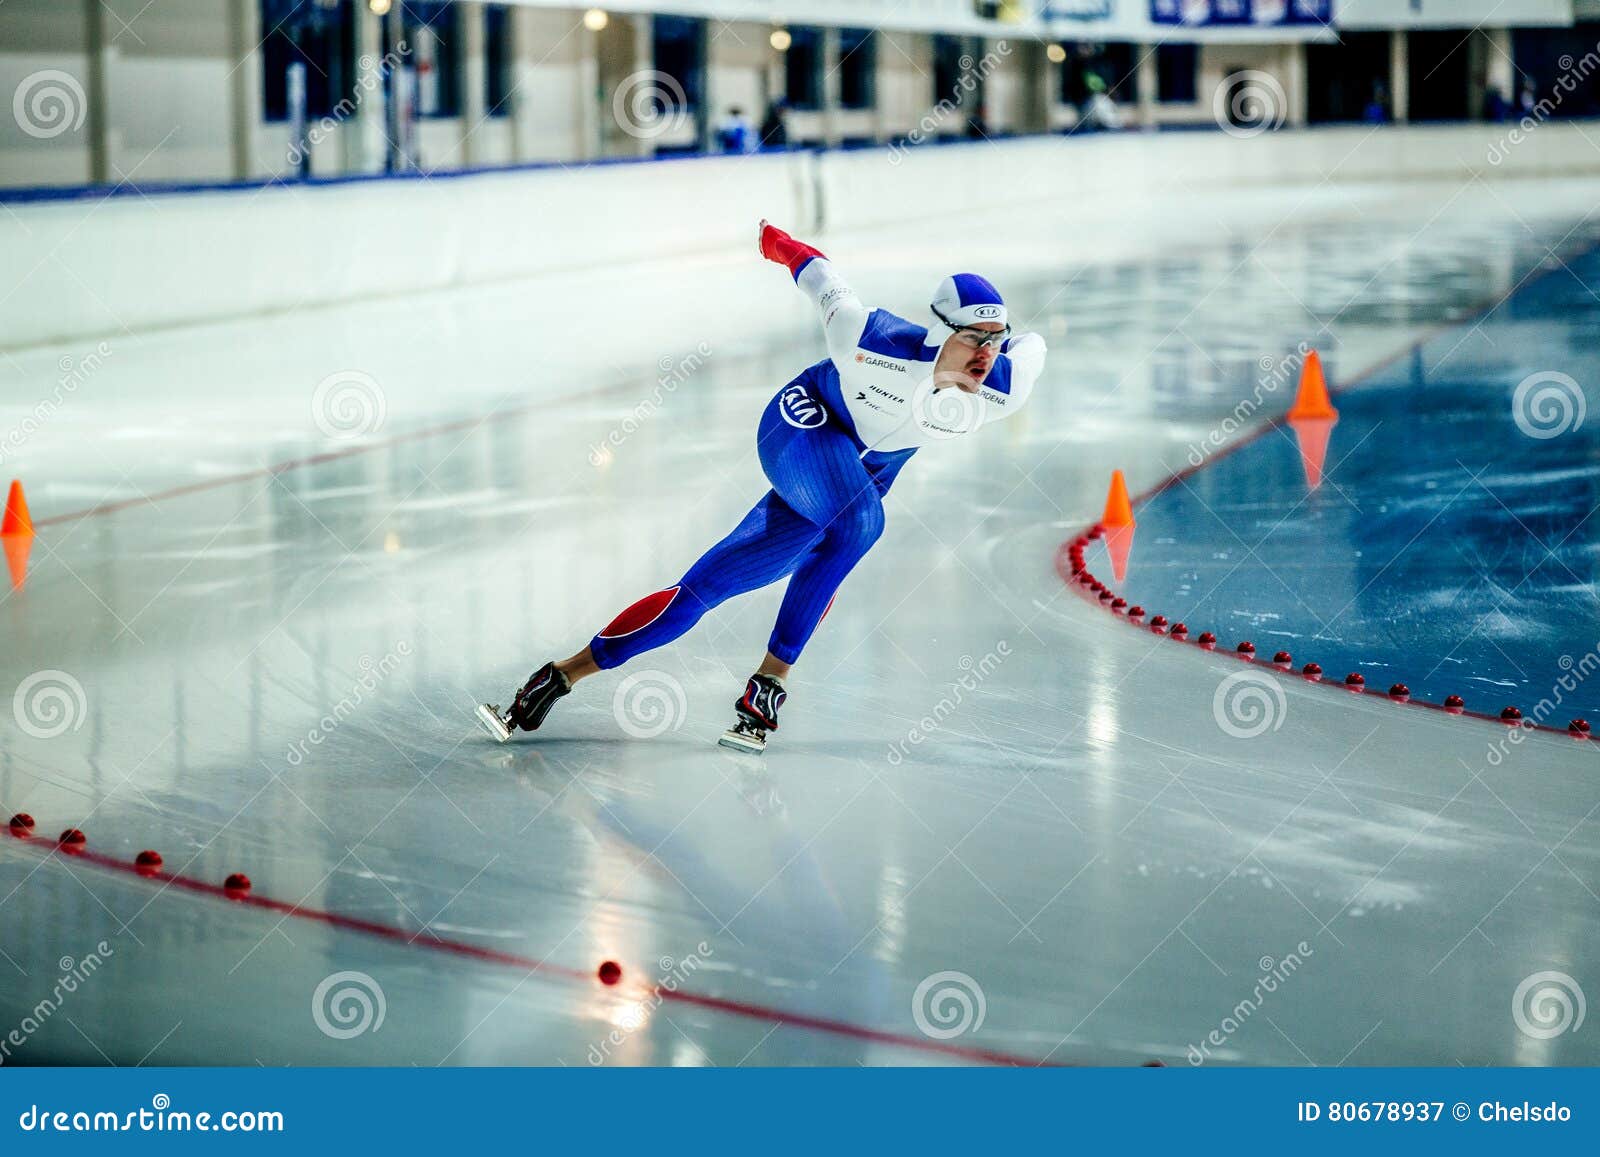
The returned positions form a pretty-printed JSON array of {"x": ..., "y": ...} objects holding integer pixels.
[{"x": 987, "y": 311}]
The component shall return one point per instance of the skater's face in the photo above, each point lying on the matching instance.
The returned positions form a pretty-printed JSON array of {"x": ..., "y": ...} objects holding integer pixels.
[{"x": 968, "y": 355}]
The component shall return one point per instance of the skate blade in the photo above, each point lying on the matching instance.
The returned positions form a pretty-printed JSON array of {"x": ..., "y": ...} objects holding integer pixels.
[
  {"x": 491, "y": 722},
  {"x": 742, "y": 742}
]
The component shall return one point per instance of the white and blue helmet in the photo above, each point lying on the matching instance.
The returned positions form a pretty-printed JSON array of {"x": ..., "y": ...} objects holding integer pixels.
[{"x": 964, "y": 299}]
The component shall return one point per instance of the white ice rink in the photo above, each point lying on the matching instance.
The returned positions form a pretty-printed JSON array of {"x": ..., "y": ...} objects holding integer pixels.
[{"x": 1108, "y": 868}]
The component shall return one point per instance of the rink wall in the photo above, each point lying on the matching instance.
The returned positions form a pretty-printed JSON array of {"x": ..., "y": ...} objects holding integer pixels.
[{"x": 145, "y": 260}]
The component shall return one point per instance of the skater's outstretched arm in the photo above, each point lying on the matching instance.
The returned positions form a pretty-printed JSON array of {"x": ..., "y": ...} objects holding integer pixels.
[
  {"x": 1025, "y": 352},
  {"x": 844, "y": 318},
  {"x": 1009, "y": 384}
]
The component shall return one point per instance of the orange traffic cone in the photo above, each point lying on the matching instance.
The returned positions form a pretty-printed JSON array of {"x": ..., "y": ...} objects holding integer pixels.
[
  {"x": 1312, "y": 418},
  {"x": 1118, "y": 523},
  {"x": 1311, "y": 401},
  {"x": 17, "y": 520},
  {"x": 16, "y": 535},
  {"x": 1119, "y": 511}
]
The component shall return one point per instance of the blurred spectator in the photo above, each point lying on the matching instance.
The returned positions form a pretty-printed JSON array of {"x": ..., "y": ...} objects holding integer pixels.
[
  {"x": 1099, "y": 112},
  {"x": 774, "y": 134},
  {"x": 735, "y": 133},
  {"x": 1527, "y": 101},
  {"x": 1377, "y": 110},
  {"x": 1496, "y": 105},
  {"x": 977, "y": 127}
]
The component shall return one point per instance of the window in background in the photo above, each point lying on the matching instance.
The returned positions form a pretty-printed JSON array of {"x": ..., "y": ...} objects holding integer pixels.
[
  {"x": 947, "y": 51},
  {"x": 499, "y": 79},
  {"x": 1348, "y": 79},
  {"x": 1545, "y": 57},
  {"x": 858, "y": 67},
  {"x": 1068, "y": 74},
  {"x": 318, "y": 34},
  {"x": 1176, "y": 68},
  {"x": 1118, "y": 65},
  {"x": 803, "y": 63},
  {"x": 432, "y": 38},
  {"x": 1440, "y": 73},
  {"x": 1110, "y": 65},
  {"x": 678, "y": 46}
]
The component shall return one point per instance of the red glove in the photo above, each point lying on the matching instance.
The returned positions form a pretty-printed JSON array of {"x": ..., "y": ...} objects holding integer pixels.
[{"x": 776, "y": 245}]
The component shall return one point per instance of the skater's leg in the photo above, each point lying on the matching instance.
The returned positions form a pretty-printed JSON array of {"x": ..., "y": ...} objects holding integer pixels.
[
  {"x": 846, "y": 541},
  {"x": 855, "y": 523},
  {"x": 774, "y": 666},
  {"x": 580, "y": 666},
  {"x": 767, "y": 545},
  {"x": 818, "y": 472}
]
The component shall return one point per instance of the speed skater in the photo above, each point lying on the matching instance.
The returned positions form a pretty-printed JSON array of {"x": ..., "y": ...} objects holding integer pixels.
[{"x": 831, "y": 443}]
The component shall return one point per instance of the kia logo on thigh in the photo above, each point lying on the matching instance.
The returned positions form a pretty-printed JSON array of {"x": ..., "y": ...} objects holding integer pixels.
[{"x": 800, "y": 409}]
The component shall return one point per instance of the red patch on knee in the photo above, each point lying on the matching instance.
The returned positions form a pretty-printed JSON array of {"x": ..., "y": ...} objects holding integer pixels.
[{"x": 639, "y": 616}]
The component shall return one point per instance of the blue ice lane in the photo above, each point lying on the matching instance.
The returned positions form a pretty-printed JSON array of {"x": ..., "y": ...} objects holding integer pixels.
[{"x": 1452, "y": 545}]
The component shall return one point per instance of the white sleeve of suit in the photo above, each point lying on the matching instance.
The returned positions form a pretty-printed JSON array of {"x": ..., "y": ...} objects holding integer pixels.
[
  {"x": 1026, "y": 352},
  {"x": 844, "y": 318}
]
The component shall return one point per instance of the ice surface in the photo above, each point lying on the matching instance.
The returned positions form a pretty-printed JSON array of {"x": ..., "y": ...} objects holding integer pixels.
[
  {"x": 1448, "y": 546},
  {"x": 977, "y": 773}
]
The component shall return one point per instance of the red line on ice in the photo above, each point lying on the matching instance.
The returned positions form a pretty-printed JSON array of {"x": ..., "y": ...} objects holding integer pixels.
[{"x": 436, "y": 943}]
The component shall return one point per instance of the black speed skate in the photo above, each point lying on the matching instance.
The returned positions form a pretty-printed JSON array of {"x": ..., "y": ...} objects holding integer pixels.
[
  {"x": 758, "y": 714},
  {"x": 529, "y": 708}
]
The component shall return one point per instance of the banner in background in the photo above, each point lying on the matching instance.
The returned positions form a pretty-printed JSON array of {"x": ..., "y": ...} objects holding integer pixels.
[
  {"x": 1258, "y": 13},
  {"x": 1083, "y": 10}
]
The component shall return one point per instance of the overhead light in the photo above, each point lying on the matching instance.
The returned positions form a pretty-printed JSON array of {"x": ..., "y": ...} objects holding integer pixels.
[
  {"x": 1056, "y": 53},
  {"x": 781, "y": 39},
  {"x": 380, "y": 7},
  {"x": 595, "y": 19}
]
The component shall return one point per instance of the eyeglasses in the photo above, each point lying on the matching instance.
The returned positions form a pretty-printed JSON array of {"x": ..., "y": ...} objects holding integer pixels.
[{"x": 975, "y": 338}]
